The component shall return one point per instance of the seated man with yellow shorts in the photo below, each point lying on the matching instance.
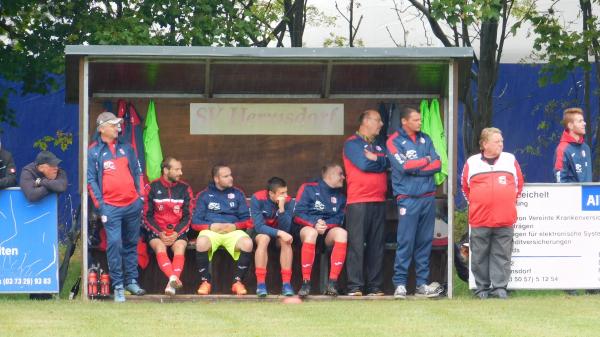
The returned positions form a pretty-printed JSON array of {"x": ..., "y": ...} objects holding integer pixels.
[{"x": 221, "y": 215}]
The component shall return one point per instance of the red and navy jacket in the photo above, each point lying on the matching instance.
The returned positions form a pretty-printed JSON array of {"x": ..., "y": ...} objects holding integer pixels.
[
  {"x": 572, "y": 160},
  {"x": 412, "y": 171},
  {"x": 168, "y": 203},
  {"x": 316, "y": 200},
  {"x": 366, "y": 179},
  {"x": 123, "y": 164},
  {"x": 266, "y": 217},
  {"x": 226, "y": 206}
]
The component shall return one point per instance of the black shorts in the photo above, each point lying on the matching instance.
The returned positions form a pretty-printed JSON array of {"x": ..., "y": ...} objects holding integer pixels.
[
  {"x": 151, "y": 235},
  {"x": 319, "y": 244},
  {"x": 272, "y": 244}
]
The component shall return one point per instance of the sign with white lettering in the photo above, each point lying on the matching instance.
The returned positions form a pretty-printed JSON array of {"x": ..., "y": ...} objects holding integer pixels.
[
  {"x": 556, "y": 238},
  {"x": 266, "y": 119},
  {"x": 28, "y": 244}
]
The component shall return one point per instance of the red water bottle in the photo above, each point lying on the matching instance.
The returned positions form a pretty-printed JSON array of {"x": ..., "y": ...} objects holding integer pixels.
[
  {"x": 104, "y": 285},
  {"x": 92, "y": 283},
  {"x": 169, "y": 230}
]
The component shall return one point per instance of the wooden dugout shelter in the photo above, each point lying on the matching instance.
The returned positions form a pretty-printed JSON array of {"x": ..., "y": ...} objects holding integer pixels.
[{"x": 175, "y": 77}]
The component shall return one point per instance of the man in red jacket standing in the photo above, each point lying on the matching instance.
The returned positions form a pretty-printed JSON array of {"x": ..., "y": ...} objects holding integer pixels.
[
  {"x": 491, "y": 183},
  {"x": 366, "y": 171}
]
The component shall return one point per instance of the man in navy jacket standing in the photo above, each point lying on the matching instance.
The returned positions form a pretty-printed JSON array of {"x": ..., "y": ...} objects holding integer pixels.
[
  {"x": 319, "y": 214},
  {"x": 221, "y": 215},
  {"x": 414, "y": 161}
]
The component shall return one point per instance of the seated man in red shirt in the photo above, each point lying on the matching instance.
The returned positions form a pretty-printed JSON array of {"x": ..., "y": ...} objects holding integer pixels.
[{"x": 167, "y": 217}]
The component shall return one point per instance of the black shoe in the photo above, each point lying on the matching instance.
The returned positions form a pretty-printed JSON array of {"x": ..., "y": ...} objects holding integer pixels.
[
  {"x": 331, "y": 289},
  {"x": 40, "y": 297},
  {"x": 305, "y": 289}
]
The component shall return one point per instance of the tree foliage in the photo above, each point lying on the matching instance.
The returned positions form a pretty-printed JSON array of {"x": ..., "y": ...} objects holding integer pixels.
[
  {"x": 33, "y": 33},
  {"x": 460, "y": 23},
  {"x": 568, "y": 47}
]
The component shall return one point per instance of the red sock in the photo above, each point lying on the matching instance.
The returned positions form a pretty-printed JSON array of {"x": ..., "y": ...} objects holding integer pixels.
[
  {"x": 338, "y": 256},
  {"x": 286, "y": 275},
  {"x": 307, "y": 257},
  {"x": 164, "y": 263},
  {"x": 261, "y": 274},
  {"x": 178, "y": 262}
]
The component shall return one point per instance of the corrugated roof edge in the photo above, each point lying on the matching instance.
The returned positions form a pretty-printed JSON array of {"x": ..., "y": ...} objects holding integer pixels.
[{"x": 267, "y": 52}]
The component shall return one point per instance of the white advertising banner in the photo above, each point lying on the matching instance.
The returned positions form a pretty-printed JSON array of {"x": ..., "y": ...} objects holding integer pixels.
[
  {"x": 266, "y": 119},
  {"x": 556, "y": 238}
]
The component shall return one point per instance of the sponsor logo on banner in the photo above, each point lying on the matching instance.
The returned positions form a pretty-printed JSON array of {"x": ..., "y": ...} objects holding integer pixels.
[
  {"x": 214, "y": 206},
  {"x": 590, "y": 198}
]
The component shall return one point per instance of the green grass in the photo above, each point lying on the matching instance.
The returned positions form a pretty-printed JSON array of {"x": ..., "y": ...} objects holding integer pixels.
[
  {"x": 527, "y": 313},
  {"x": 526, "y": 316}
]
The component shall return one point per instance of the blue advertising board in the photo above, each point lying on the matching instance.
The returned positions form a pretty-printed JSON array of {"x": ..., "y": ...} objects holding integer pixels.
[{"x": 28, "y": 244}]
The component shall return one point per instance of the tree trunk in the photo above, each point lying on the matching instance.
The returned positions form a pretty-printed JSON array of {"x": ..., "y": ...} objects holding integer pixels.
[{"x": 486, "y": 79}]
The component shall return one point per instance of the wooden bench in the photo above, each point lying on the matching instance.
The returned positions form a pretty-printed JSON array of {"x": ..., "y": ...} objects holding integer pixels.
[{"x": 222, "y": 266}]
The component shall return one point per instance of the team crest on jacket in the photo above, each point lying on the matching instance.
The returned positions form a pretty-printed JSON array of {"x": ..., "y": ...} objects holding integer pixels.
[
  {"x": 502, "y": 180},
  {"x": 214, "y": 206},
  {"x": 422, "y": 140},
  {"x": 333, "y": 200},
  {"x": 104, "y": 218},
  {"x": 231, "y": 196},
  {"x": 109, "y": 165},
  {"x": 121, "y": 151},
  {"x": 319, "y": 205}
]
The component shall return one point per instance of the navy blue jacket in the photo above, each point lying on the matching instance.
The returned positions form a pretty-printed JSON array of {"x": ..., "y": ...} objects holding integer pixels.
[
  {"x": 226, "y": 206},
  {"x": 572, "y": 160},
  {"x": 316, "y": 200},
  {"x": 412, "y": 171},
  {"x": 266, "y": 217}
]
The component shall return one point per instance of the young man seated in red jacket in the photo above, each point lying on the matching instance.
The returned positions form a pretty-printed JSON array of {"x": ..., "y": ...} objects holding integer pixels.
[
  {"x": 221, "y": 215},
  {"x": 167, "y": 217}
]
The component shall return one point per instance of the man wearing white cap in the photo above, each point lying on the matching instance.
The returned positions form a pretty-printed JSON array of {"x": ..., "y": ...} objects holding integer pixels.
[{"x": 115, "y": 185}]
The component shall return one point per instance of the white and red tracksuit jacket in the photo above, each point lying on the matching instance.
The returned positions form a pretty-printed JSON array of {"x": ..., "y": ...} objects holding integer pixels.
[{"x": 492, "y": 190}]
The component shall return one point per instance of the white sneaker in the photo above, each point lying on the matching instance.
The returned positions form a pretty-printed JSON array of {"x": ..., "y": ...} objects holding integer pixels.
[
  {"x": 174, "y": 282},
  {"x": 400, "y": 292},
  {"x": 432, "y": 290},
  {"x": 169, "y": 290}
]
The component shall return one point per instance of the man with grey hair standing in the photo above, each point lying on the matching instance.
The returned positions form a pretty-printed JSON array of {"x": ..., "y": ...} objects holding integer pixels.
[{"x": 115, "y": 185}]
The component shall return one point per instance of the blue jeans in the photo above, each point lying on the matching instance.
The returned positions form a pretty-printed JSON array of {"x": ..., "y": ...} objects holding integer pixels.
[
  {"x": 416, "y": 219},
  {"x": 122, "y": 225}
]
